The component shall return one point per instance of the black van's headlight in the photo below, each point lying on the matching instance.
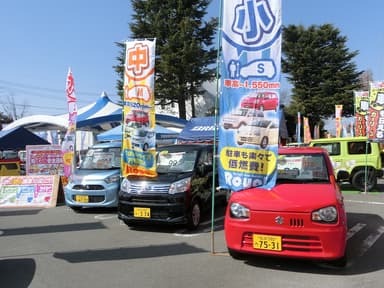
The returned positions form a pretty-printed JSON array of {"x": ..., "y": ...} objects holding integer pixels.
[
  {"x": 125, "y": 185},
  {"x": 180, "y": 186}
]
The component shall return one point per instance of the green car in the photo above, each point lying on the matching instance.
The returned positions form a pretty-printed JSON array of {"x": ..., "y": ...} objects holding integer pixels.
[{"x": 356, "y": 155}]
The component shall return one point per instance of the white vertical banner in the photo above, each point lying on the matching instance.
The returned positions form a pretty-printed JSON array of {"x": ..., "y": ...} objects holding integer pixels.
[
  {"x": 68, "y": 145},
  {"x": 250, "y": 93}
]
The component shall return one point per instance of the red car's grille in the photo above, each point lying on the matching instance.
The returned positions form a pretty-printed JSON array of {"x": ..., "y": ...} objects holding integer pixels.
[
  {"x": 291, "y": 242},
  {"x": 296, "y": 222}
]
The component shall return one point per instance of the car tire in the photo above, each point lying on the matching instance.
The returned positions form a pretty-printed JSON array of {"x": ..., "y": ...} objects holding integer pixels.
[
  {"x": 194, "y": 215},
  {"x": 235, "y": 255},
  {"x": 358, "y": 180},
  {"x": 264, "y": 142}
]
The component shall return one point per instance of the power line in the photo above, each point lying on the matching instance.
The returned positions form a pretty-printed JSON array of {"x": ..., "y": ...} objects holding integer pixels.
[
  {"x": 35, "y": 106},
  {"x": 44, "y": 89},
  {"x": 25, "y": 91}
]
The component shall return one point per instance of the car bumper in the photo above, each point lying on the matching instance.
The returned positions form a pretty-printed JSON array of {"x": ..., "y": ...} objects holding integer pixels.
[
  {"x": 167, "y": 209},
  {"x": 326, "y": 242},
  {"x": 106, "y": 197}
]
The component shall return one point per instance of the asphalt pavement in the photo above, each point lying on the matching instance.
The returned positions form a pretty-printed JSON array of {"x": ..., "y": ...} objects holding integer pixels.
[{"x": 56, "y": 247}]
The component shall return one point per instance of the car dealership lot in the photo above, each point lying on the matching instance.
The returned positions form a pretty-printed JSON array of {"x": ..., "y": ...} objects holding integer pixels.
[{"x": 57, "y": 247}]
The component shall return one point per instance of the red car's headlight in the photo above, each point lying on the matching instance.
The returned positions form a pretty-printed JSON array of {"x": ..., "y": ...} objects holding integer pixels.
[
  {"x": 239, "y": 211},
  {"x": 325, "y": 215}
]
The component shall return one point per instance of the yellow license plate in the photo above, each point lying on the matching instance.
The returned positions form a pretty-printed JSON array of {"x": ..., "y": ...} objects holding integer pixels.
[
  {"x": 82, "y": 198},
  {"x": 267, "y": 242},
  {"x": 142, "y": 212}
]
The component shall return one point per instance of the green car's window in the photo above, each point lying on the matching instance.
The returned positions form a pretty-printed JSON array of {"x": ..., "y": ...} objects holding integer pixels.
[
  {"x": 359, "y": 148},
  {"x": 332, "y": 148}
]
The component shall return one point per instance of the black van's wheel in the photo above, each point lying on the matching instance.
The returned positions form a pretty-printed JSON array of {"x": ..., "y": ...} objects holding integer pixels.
[
  {"x": 264, "y": 142},
  {"x": 358, "y": 180},
  {"x": 194, "y": 215}
]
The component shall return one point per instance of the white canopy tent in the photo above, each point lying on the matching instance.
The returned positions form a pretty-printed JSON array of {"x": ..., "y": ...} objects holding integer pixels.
[{"x": 92, "y": 119}]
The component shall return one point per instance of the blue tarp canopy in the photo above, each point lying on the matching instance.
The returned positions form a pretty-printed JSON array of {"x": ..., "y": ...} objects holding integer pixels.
[
  {"x": 202, "y": 129},
  {"x": 115, "y": 134},
  {"x": 18, "y": 138},
  {"x": 198, "y": 130}
]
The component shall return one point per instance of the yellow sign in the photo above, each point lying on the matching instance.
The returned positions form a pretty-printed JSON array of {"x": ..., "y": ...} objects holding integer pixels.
[{"x": 247, "y": 160}]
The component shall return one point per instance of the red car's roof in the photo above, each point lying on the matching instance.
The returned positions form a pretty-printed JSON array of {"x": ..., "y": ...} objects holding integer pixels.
[
  {"x": 301, "y": 150},
  {"x": 287, "y": 197}
]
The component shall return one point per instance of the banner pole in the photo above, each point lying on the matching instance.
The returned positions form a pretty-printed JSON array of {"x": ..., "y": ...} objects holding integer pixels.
[{"x": 215, "y": 129}]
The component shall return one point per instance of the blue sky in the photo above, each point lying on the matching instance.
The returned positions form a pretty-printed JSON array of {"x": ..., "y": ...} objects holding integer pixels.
[{"x": 40, "y": 39}]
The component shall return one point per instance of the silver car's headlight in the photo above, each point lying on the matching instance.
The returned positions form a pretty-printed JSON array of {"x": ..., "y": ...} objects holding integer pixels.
[
  {"x": 239, "y": 211},
  {"x": 180, "y": 186},
  {"x": 111, "y": 179},
  {"x": 125, "y": 185},
  {"x": 325, "y": 215}
]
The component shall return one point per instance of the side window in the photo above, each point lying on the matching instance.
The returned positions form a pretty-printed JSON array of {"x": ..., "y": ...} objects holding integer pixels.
[
  {"x": 203, "y": 157},
  {"x": 206, "y": 157},
  {"x": 359, "y": 148},
  {"x": 332, "y": 148}
]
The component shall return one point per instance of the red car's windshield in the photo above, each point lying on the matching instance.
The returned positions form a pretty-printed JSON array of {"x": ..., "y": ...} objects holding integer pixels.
[{"x": 302, "y": 167}]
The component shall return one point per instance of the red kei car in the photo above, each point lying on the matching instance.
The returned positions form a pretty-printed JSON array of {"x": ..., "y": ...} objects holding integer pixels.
[
  {"x": 302, "y": 216},
  {"x": 261, "y": 101},
  {"x": 138, "y": 116}
]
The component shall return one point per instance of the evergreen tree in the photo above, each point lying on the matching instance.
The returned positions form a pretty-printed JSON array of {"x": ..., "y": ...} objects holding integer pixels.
[
  {"x": 184, "y": 47},
  {"x": 320, "y": 68}
]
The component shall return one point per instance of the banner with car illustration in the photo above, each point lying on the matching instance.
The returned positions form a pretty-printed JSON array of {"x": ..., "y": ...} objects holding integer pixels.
[
  {"x": 376, "y": 111},
  {"x": 250, "y": 92},
  {"x": 139, "y": 137},
  {"x": 361, "y": 112}
]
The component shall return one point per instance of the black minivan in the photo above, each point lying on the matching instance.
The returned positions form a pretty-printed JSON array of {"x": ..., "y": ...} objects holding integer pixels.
[{"x": 178, "y": 195}]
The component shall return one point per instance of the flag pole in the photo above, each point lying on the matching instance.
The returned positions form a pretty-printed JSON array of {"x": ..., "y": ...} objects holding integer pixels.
[{"x": 215, "y": 128}]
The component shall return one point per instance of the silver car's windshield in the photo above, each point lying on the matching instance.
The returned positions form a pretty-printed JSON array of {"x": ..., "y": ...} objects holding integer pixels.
[{"x": 101, "y": 159}]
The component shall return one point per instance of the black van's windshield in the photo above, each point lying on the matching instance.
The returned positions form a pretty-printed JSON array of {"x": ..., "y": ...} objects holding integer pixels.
[
  {"x": 101, "y": 159},
  {"x": 176, "y": 162}
]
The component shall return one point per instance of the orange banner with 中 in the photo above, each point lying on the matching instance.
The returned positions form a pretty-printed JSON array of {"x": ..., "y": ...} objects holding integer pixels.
[{"x": 139, "y": 136}]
